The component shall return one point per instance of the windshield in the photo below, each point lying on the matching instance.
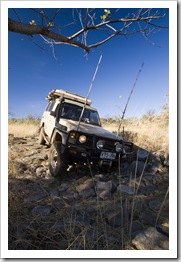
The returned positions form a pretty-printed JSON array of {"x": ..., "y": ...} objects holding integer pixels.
[{"x": 71, "y": 111}]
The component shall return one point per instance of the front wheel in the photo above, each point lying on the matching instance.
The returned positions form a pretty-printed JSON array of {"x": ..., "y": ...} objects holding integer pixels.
[{"x": 58, "y": 163}]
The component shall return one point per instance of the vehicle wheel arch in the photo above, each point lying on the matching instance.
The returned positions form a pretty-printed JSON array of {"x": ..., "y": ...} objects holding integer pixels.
[
  {"x": 42, "y": 139},
  {"x": 56, "y": 137}
]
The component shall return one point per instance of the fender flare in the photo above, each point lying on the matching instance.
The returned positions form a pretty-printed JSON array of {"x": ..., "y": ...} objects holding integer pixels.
[{"x": 56, "y": 136}]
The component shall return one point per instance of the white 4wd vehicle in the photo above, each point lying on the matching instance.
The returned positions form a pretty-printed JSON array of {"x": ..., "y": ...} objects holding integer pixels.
[{"x": 73, "y": 129}]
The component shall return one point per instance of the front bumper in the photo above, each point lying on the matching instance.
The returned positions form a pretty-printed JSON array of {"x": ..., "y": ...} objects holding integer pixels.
[{"x": 93, "y": 156}]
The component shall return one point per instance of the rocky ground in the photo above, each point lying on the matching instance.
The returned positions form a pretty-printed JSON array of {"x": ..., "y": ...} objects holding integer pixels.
[{"x": 86, "y": 208}]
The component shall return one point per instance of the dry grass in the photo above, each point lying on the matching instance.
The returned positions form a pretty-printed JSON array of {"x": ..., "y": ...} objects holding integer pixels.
[
  {"x": 151, "y": 133},
  {"x": 28, "y": 231},
  {"x": 22, "y": 129},
  {"x": 13, "y": 169},
  {"x": 32, "y": 232}
]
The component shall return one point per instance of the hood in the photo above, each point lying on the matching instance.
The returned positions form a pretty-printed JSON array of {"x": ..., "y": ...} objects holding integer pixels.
[{"x": 87, "y": 128}]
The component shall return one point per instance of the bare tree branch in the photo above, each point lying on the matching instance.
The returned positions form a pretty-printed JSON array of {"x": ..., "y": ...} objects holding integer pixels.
[
  {"x": 83, "y": 21},
  {"x": 22, "y": 28},
  {"x": 108, "y": 38}
]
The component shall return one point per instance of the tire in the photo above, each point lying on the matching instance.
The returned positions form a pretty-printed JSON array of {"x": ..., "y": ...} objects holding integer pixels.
[
  {"x": 41, "y": 137},
  {"x": 58, "y": 163}
]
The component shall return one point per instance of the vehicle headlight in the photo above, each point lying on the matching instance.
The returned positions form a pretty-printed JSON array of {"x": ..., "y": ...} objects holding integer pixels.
[
  {"x": 72, "y": 134},
  {"x": 119, "y": 148},
  {"x": 100, "y": 144},
  {"x": 82, "y": 139}
]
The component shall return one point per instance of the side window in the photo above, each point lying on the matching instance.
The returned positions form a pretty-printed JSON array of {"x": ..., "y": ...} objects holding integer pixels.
[
  {"x": 50, "y": 106},
  {"x": 47, "y": 107},
  {"x": 94, "y": 118}
]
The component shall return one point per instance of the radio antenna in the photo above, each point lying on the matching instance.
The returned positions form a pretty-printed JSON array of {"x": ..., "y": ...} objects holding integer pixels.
[
  {"x": 90, "y": 88},
  {"x": 124, "y": 111}
]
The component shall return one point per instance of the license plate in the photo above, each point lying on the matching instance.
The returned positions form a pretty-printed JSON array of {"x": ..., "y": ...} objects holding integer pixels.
[{"x": 107, "y": 155}]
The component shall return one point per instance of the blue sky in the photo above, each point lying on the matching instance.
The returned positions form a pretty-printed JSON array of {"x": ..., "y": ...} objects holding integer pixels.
[{"x": 32, "y": 73}]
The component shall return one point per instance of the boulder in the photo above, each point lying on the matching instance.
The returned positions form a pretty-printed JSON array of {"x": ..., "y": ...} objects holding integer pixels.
[
  {"x": 138, "y": 167},
  {"x": 125, "y": 190},
  {"x": 135, "y": 228},
  {"x": 117, "y": 217},
  {"x": 147, "y": 217},
  {"x": 87, "y": 193},
  {"x": 151, "y": 239},
  {"x": 87, "y": 184},
  {"x": 155, "y": 204},
  {"x": 104, "y": 189},
  {"x": 41, "y": 210},
  {"x": 36, "y": 196}
]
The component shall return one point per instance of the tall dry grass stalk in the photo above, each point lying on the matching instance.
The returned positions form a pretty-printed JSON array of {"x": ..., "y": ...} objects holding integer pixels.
[{"x": 166, "y": 194}]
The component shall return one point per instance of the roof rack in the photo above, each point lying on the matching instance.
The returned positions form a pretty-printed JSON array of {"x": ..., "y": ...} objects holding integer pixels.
[{"x": 56, "y": 93}]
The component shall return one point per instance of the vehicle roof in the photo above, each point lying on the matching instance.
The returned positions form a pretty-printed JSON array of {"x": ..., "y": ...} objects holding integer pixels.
[
  {"x": 79, "y": 104},
  {"x": 56, "y": 93}
]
